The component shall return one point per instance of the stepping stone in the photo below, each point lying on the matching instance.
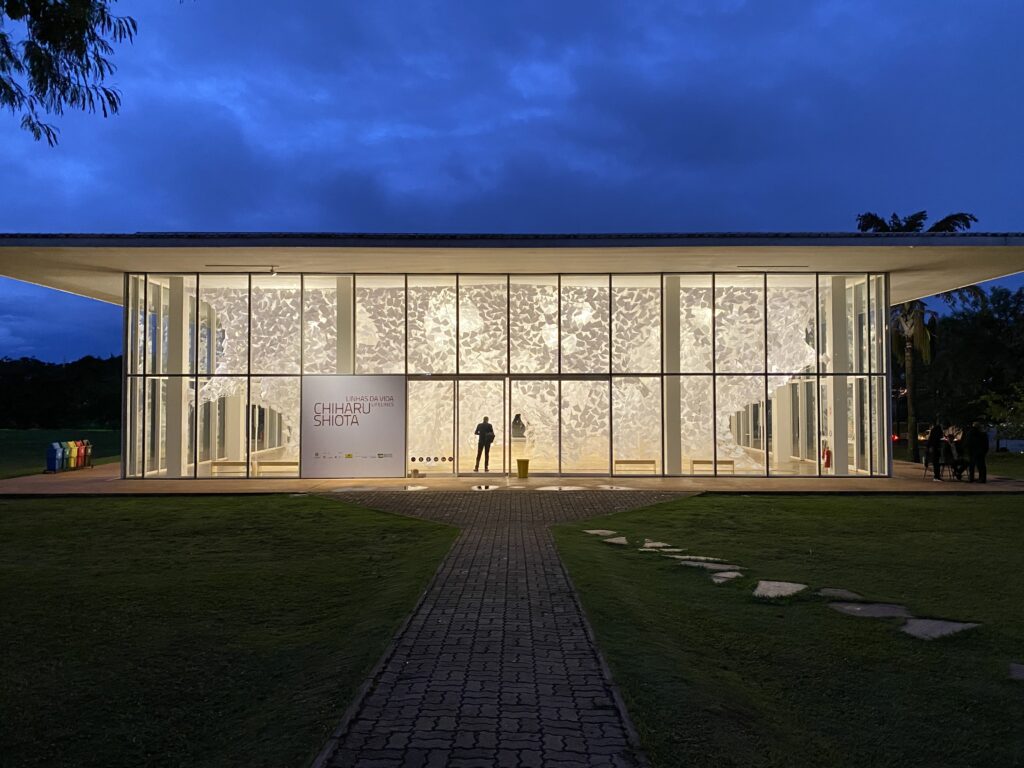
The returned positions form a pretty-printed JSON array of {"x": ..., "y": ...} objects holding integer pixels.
[
  {"x": 839, "y": 594},
  {"x": 615, "y": 488},
  {"x": 600, "y": 532},
  {"x": 778, "y": 588},
  {"x": 621, "y": 541},
  {"x": 648, "y": 544},
  {"x": 723, "y": 576},
  {"x": 1016, "y": 671},
  {"x": 931, "y": 629},
  {"x": 708, "y": 566},
  {"x": 872, "y": 610},
  {"x": 415, "y": 487},
  {"x": 698, "y": 558},
  {"x": 561, "y": 488}
]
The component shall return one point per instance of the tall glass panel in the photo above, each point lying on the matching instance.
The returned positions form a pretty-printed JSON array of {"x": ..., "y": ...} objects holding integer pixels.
[
  {"x": 483, "y": 330},
  {"x": 739, "y": 323},
  {"x": 585, "y": 330},
  {"x": 170, "y": 410},
  {"x": 432, "y": 324},
  {"x": 134, "y": 394},
  {"x": 478, "y": 399},
  {"x": 533, "y": 430},
  {"x": 689, "y": 425},
  {"x": 687, "y": 323},
  {"x": 843, "y": 323},
  {"x": 636, "y": 420},
  {"x": 380, "y": 324},
  {"x": 740, "y": 424},
  {"x": 877, "y": 323},
  {"x": 328, "y": 322},
  {"x": 223, "y": 324},
  {"x": 791, "y": 323},
  {"x": 274, "y": 426},
  {"x": 533, "y": 323},
  {"x": 223, "y": 402},
  {"x": 585, "y": 426},
  {"x": 636, "y": 324},
  {"x": 136, "y": 314},
  {"x": 431, "y": 447},
  {"x": 792, "y": 426},
  {"x": 171, "y": 328},
  {"x": 276, "y": 317}
]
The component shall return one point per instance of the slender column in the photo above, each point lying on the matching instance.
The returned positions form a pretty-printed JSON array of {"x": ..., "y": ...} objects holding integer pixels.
[{"x": 670, "y": 342}]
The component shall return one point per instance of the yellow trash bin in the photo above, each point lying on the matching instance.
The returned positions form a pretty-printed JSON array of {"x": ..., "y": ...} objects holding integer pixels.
[{"x": 523, "y": 468}]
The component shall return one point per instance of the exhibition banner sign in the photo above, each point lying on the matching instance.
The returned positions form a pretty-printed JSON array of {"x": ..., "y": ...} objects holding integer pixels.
[{"x": 353, "y": 426}]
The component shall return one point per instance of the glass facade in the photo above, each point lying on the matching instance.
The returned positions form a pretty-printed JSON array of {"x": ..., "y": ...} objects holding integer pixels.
[{"x": 777, "y": 374}]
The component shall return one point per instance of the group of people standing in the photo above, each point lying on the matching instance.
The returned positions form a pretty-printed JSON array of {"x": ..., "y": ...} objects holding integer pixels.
[{"x": 961, "y": 450}]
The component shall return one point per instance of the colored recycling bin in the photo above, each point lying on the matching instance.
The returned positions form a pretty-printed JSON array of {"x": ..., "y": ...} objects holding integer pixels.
[
  {"x": 80, "y": 456},
  {"x": 55, "y": 457},
  {"x": 70, "y": 454},
  {"x": 88, "y": 453}
]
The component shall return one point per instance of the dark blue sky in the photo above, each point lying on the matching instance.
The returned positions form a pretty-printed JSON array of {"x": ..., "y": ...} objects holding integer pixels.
[{"x": 691, "y": 115}]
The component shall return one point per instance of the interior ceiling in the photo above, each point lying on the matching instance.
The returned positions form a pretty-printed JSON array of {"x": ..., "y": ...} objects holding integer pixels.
[{"x": 90, "y": 268}]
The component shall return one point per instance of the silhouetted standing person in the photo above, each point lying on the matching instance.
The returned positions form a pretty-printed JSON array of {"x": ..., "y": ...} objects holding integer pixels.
[
  {"x": 977, "y": 447},
  {"x": 933, "y": 449},
  {"x": 485, "y": 436}
]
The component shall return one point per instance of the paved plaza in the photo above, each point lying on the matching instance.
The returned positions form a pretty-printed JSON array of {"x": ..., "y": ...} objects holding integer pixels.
[{"x": 496, "y": 666}]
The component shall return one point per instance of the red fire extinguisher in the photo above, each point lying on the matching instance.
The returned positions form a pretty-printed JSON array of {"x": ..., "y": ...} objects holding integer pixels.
[{"x": 826, "y": 456}]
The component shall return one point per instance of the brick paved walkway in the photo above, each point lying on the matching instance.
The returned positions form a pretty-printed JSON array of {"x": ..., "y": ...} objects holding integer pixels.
[{"x": 496, "y": 666}]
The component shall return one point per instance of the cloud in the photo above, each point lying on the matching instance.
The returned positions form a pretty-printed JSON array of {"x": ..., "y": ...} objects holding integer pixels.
[{"x": 394, "y": 116}]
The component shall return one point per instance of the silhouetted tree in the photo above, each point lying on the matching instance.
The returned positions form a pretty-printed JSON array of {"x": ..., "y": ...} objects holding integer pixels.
[
  {"x": 910, "y": 319},
  {"x": 55, "y": 55}
]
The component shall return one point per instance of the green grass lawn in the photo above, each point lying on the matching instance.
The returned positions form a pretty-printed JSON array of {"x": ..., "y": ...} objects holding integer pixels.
[
  {"x": 713, "y": 677},
  {"x": 204, "y": 631},
  {"x": 1006, "y": 464},
  {"x": 23, "y": 451}
]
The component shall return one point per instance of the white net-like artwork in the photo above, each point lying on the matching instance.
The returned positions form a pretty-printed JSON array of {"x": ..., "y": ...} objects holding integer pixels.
[
  {"x": 476, "y": 400},
  {"x": 224, "y": 326},
  {"x": 791, "y": 318},
  {"x": 431, "y": 445},
  {"x": 432, "y": 326},
  {"x": 320, "y": 330},
  {"x": 739, "y": 327},
  {"x": 585, "y": 334},
  {"x": 695, "y": 316},
  {"x": 536, "y": 403},
  {"x": 483, "y": 344},
  {"x": 380, "y": 328},
  {"x": 585, "y": 426},
  {"x": 636, "y": 409},
  {"x": 533, "y": 319},
  {"x": 275, "y": 335},
  {"x": 636, "y": 328}
]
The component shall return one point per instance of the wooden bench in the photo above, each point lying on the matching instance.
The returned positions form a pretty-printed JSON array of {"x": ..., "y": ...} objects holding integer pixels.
[
  {"x": 710, "y": 464},
  {"x": 227, "y": 467},
  {"x": 651, "y": 464},
  {"x": 263, "y": 467}
]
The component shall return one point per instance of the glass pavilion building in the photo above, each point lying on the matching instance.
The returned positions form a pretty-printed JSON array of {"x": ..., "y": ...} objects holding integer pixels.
[{"x": 755, "y": 355}]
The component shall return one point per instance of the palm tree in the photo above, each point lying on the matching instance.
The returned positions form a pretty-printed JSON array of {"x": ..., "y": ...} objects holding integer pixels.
[{"x": 909, "y": 320}]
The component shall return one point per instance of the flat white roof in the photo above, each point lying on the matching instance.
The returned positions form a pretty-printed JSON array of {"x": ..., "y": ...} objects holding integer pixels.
[{"x": 920, "y": 264}]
